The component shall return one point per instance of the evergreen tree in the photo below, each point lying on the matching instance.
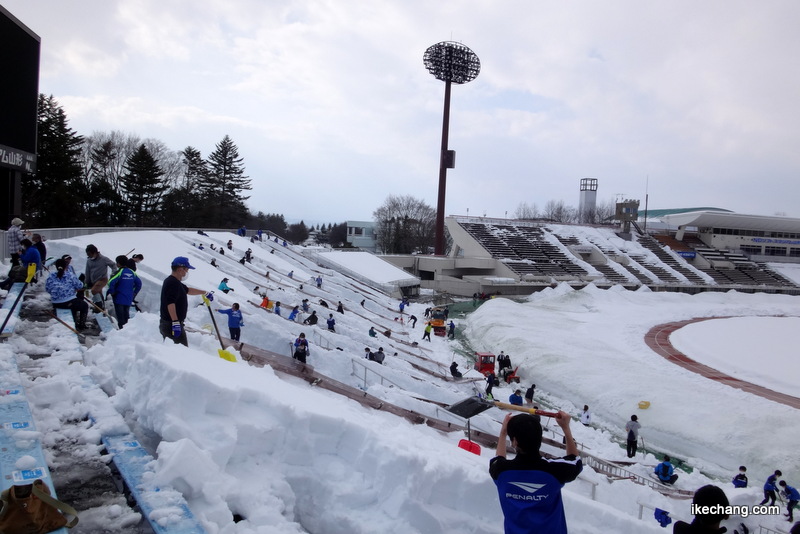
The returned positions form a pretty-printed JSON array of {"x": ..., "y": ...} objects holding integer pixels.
[
  {"x": 196, "y": 168},
  {"x": 337, "y": 235},
  {"x": 297, "y": 233},
  {"x": 143, "y": 186},
  {"x": 53, "y": 194},
  {"x": 272, "y": 223},
  {"x": 225, "y": 184},
  {"x": 185, "y": 205}
]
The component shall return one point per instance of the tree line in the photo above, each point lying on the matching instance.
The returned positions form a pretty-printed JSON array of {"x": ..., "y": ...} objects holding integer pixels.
[{"x": 118, "y": 179}]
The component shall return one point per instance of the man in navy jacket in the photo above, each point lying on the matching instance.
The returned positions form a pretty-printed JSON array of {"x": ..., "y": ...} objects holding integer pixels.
[
  {"x": 529, "y": 486},
  {"x": 123, "y": 288}
]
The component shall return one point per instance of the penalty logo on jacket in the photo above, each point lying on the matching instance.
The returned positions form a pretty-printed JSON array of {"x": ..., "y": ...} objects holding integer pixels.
[{"x": 529, "y": 488}]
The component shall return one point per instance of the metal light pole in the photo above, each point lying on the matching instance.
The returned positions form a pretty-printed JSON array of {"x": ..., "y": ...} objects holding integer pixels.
[{"x": 452, "y": 63}]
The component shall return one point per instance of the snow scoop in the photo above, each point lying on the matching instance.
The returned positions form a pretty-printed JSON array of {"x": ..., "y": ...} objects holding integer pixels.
[
  {"x": 224, "y": 354},
  {"x": 101, "y": 310},
  {"x": 467, "y": 408},
  {"x": 57, "y": 318},
  {"x": 28, "y": 278},
  {"x": 531, "y": 411}
]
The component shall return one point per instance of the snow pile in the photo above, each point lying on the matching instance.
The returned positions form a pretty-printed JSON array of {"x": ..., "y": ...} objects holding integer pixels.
[{"x": 281, "y": 456}]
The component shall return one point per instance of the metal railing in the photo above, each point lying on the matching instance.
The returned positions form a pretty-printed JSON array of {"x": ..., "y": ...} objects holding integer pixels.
[{"x": 363, "y": 371}]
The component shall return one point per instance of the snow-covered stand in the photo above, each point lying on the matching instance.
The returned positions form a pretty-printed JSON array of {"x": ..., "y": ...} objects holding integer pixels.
[
  {"x": 21, "y": 457},
  {"x": 164, "y": 508}
]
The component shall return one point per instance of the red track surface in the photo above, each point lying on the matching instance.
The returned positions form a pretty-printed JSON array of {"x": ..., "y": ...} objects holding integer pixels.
[{"x": 658, "y": 340}]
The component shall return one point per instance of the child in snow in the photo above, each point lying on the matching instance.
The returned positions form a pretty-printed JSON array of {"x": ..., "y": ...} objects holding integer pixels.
[
  {"x": 223, "y": 286},
  {"x": 300, "y": 348},
  {"x": 770, "y": 486},
  {"x": 235, "y": 322},
  {"x": 123, "y": 288},
  {"x": 664, "y": 470},
  {"x": 740, "y": 480}
]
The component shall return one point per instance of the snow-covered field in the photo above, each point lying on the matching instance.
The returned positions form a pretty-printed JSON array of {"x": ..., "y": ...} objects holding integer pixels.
[{"x": 288, "y": 457}]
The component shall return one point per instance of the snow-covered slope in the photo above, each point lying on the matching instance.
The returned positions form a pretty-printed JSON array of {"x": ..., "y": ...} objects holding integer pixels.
[{"x": 287, "y": 457}]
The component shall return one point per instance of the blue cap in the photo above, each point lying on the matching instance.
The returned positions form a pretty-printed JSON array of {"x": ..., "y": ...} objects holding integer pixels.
[{"x": 181, "y": 261}]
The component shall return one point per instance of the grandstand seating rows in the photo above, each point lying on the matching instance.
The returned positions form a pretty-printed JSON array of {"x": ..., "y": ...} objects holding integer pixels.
[{"x": 543, "y": 252}]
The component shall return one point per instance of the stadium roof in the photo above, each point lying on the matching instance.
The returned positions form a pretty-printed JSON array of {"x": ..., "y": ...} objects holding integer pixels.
[
  {"x": 657, "y": 214},
  {"x": 721, "y": 219}
]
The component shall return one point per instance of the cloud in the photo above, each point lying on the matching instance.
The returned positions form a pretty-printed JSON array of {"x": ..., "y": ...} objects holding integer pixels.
[{"x": 701, "y": 97}]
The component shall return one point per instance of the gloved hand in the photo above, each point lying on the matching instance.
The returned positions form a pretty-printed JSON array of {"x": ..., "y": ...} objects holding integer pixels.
[
  {"x": 210, "y": 296},
  {"x": 176, "y": 329}
]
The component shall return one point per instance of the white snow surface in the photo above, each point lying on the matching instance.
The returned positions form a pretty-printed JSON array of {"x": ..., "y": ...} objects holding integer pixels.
[
  {"x": 289, "y": 458},
  {"x": 368, "y": 265}
]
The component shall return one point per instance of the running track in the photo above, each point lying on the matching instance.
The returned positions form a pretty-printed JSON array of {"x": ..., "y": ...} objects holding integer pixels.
[{"x": 658, "y": 340}]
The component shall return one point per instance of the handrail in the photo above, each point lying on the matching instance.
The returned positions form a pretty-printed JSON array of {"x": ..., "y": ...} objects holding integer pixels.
[{"x": 355, "y": 362}]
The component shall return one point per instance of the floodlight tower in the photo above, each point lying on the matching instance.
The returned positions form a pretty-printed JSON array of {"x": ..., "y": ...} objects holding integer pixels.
[{"x": 451, "y": 63}]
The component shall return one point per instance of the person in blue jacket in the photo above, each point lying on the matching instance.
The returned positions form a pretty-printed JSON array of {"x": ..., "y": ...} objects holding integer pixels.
[
  {"x": 293, "y": 313},
  {"x": 770, "y": 486},
  {"x": 277, "y": 308},
  {"x": 516, "y": 398},
  {"x": 740, "y": 480},
  {"x": 792, "y": 498},
  {"x": 331, "y": 323},
  {"x": 63, "y": 286},
  {"x": 19, "y": 271},
  {"x": 665, "y": 471},
  {"x": 529, "y": 486},
  {"x": 234, "y": 321},
  {"x": 123, "y": 288},
  {"x": 30, "y": 255},
  {"x": 451, "y": 333},
  {"x": 300, "y": 348}
]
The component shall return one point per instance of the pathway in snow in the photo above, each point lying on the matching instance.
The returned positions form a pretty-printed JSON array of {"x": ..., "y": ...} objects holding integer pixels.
[{"x": 658, "y": 340}]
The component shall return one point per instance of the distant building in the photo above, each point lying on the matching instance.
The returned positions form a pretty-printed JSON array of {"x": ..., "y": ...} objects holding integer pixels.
[
  {"x": 361, "y": 234},
  {"x": 759, "y": 237}
]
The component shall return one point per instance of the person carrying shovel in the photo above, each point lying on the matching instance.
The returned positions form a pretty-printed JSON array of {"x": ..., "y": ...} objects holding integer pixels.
[
  {"x": 174, "y": 303},
  {"x": 529, "y": 486}
]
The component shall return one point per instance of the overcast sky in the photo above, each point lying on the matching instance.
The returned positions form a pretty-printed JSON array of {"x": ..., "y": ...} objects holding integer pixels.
[{"x": 332, "y": 108}]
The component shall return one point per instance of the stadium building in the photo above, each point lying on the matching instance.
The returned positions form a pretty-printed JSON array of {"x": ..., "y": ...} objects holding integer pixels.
[{"x": 686, "y": 250}]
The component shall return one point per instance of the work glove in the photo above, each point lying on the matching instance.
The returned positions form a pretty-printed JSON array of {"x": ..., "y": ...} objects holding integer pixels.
[
  {"x": 210, "y": 296},
  {"x": 176, "y": 329}
]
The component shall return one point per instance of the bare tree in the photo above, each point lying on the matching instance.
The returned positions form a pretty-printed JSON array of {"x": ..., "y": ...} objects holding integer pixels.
[
  {"x": 558, "y": 211},
  {"x": 404, "y": 224},
  {"x": 526, "y": 211}
]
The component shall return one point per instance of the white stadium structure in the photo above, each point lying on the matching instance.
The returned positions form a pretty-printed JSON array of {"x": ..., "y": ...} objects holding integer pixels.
[{"x": 687, "y": 250}]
